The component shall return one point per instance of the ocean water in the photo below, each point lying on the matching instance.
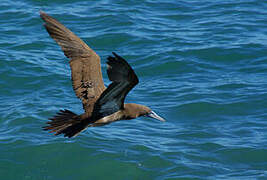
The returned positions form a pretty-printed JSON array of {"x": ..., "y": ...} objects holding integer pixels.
[{"x": 202, "y": 65}]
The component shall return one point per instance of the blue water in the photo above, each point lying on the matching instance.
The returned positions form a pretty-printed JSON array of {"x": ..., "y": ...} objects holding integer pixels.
[{"x": 202, "y": 65}]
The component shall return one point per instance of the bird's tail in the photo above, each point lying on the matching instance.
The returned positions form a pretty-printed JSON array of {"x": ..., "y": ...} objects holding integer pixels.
[{"x": 67, "y": 123}]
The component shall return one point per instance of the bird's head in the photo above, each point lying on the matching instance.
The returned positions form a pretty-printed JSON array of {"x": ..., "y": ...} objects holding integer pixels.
[{"x": 137, "y": 110}]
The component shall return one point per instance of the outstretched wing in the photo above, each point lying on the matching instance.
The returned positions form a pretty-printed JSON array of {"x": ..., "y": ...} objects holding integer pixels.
[
  {"x": 84, "y": 62},
  {"x": 123, "y": 80}
]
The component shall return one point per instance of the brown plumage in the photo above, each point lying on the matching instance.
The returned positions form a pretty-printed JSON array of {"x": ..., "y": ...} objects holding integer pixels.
[{"x": 101, "y": 105}]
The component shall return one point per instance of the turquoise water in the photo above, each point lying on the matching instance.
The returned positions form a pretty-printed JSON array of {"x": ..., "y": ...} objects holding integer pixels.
[{"x": 202, "y": 65}]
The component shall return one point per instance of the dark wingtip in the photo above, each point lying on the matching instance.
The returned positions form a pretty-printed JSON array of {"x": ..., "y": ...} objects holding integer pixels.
[
  {"x": 116, "y": 55},
  {"x": 111, "y": 59}
]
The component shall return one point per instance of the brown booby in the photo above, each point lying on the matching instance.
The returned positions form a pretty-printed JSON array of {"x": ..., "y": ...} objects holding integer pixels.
[{"x": 102, "y": 105}]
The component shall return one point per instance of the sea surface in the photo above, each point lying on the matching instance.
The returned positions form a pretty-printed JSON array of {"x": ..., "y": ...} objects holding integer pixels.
[{"x": 202, "y": 65}]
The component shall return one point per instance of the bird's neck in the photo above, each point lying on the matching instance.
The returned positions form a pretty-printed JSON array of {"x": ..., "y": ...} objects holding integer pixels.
[{"x": 130, "y": 111}]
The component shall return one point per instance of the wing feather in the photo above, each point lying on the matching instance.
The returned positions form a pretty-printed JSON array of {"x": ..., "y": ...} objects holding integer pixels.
[
  {"x": 84, "y": 62},
  {"x": 123, "y": 80}
]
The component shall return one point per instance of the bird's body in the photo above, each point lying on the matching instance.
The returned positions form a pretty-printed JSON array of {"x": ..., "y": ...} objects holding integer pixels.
[
  {"x": 129, "y": 112},
  {"x": 102, "y": 105}
]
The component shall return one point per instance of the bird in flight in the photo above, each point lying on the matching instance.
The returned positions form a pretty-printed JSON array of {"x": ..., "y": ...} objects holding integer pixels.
[{"x": 101, "y": 105}]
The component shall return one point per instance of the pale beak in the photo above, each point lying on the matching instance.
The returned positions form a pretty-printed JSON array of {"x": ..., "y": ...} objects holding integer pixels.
[{"x": 152, "y": 114}]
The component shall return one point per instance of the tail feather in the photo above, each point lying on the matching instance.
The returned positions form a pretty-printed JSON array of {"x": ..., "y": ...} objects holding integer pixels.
[
  {"x": 73, "y": 130},
  {"x": 67, "y": 123}
]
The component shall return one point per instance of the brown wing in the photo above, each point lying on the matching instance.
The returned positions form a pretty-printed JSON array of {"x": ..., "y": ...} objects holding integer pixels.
[{"x": 85, "y": 63}]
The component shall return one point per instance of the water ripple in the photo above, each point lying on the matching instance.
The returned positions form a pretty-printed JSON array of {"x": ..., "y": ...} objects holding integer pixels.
[{"x": 201, "y": 66}]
